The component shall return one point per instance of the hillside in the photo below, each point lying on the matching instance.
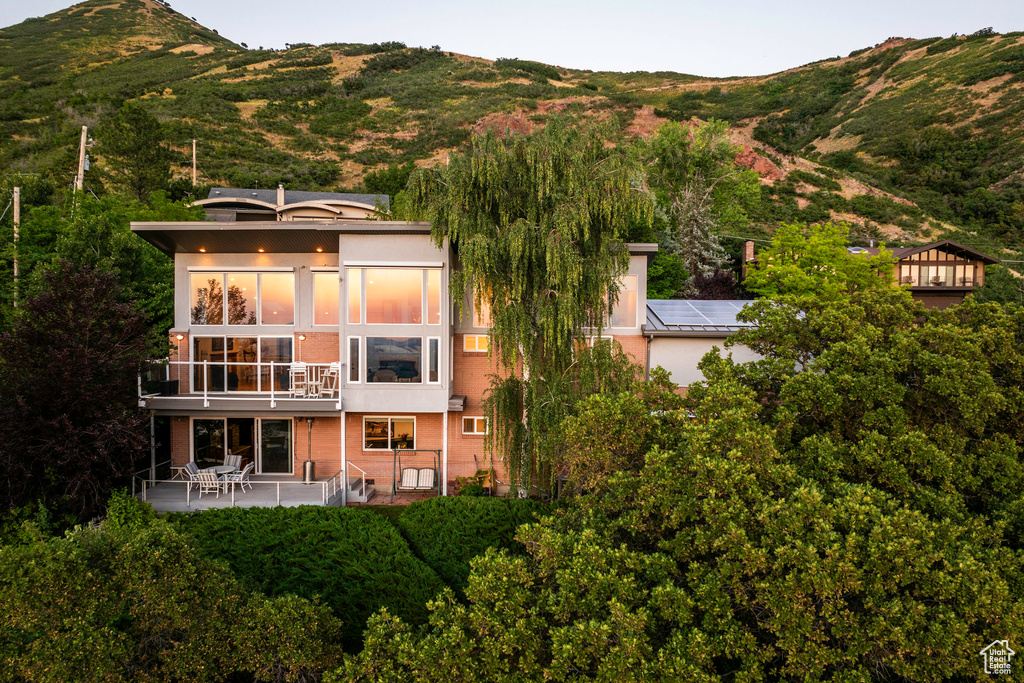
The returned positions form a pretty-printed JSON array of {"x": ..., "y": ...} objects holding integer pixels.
[{"x": 913, "y": 138}]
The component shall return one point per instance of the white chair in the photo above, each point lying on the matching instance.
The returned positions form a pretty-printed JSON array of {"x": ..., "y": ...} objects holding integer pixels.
[
  {"x": 240, "y": 478},
  {"x": 191, "y": 474},
  {"x": 299, "y": 379},
  {"x": 210, "y": 483},
  {"x": 327, "y": 385}
]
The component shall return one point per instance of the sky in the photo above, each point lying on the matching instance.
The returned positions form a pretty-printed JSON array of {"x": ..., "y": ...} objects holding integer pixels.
[{"x": 706, "y": 38}]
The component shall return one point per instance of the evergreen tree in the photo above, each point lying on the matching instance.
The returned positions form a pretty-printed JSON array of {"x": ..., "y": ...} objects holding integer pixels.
[
  {"x": 537, "y": 222},
  {"x": 133, "y": 146}
]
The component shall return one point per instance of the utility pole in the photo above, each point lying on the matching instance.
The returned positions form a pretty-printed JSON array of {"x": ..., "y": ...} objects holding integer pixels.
[
  {"x": 17, "y": 225},
  {"x": 80, "y": 178},
  {"x": 193, "y": 162}
]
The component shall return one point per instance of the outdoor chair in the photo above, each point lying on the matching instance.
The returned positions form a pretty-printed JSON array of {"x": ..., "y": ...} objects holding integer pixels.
[
  {"x": 299, "y": 380},
  {"x": 192, "y": 473},
  {"x": 425, "y": 480},
  {"x": 240, "y": 478},
  {"x": 233, "y": 461},
  {"x": 327, "y": 385},
  {"x": 210, "y": 483},
  {"x": 410, "y": 476}
]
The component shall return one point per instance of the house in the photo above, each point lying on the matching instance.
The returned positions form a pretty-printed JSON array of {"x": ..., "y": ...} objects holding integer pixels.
[
  {"x": 938, "y": 275},
  {"x": 680, "y": 332},
  {"x": 329, "y": 337}
]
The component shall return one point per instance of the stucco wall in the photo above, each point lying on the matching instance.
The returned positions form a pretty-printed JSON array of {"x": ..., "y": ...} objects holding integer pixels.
[{"x": 680, "y": 355}]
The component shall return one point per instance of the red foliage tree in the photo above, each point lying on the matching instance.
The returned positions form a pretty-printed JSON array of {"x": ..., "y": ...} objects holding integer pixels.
[{"x": 69, "y": 425}]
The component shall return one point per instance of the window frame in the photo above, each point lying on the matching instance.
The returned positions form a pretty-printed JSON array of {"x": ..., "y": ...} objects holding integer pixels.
[
  {"x": 636, "y": 304},
  {"x": 223, "y": 273},
  {"x": 475, "y": 419},
  {"x": 465, "y": 346},
  {"x": 194, "y": 365},
  {"x": 390, "y": 419}
]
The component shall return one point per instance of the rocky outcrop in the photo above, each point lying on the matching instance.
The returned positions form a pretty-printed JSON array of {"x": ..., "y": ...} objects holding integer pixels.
[{"x": 749, "y": 158}]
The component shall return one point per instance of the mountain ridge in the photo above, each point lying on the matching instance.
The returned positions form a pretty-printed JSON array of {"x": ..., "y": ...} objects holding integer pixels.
[{"x": 914, "y": 139}]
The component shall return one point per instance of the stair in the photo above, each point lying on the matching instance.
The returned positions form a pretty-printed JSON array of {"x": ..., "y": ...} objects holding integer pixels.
[{"x": 358, "y": 493}]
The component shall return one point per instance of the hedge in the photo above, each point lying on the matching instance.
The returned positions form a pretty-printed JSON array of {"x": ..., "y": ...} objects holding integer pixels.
[{"x": 449, "y": 532}]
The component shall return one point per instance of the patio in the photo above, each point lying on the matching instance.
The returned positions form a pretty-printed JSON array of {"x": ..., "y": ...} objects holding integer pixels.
[{"x": 175, "y": 495}]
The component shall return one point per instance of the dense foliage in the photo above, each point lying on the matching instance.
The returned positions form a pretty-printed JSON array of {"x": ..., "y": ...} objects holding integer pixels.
[
  {"x": 449, "y": 532},
  {"x": 69, "y": 425},
  {"x": 355, "y": 561},
  {"x": 132, "y": 600},
  {"x": 858, "y": 520},
  {"x": 538, "y": 222}
]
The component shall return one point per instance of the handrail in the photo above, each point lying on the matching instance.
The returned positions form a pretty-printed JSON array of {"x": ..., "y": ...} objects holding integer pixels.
[
  {"x": 362, "y": 477},
  {"x": 267, "y": 388},
  {"x": 325, "y": 486}
]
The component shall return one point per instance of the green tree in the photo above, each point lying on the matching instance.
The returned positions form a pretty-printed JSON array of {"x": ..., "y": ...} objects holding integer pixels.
[
  {"x": 537, "y": 222},
  {"x": 814, "y": 261},
  {"x": 131, "y": 600},
  {"x": 779, "y": 529},
  {"x": 1002, "y": 285},
  {"x": 133, "y": 146},
  {"x": 699, "y": 191}
]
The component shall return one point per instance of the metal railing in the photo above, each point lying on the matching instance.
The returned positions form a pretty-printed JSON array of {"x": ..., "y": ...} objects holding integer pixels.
[
  {"x": 362, "y": 477},
  {"x": 329, "y": 487},
  {"x": 243, "y": 381}
]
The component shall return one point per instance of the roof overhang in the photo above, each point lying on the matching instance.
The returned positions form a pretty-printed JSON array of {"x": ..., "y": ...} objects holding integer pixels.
[
  {"x": 949, "y": 246},
  {"x": 231, "y": 201},
  {"x": 277, "y": 237},
  {"x": 715, "y": 333}
]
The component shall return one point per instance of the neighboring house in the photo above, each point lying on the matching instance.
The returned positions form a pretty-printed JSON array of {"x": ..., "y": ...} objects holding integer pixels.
[
  {"x": 938, "y": 275},
  {"x": 237, "y": 205},
  {"x": 681, "y": 332},
  {"x": 365, "y": 305}
]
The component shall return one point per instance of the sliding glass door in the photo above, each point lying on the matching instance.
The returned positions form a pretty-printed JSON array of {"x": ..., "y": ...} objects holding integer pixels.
[{"x": 266, "y": 442}]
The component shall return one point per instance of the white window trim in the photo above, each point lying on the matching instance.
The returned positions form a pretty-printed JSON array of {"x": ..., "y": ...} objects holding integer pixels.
[
  {"x": 359, "y": 365},
  {"x": 389, "y": 418},
  {"x": 312, "y": 298},
  {"x": 193, "y": 363},
  {"x": 465, "y": 349},
  {"x": 426, "y": 364},
  {"x": 636, "y": 313},
  {"x": 392, "y": 264},
  {"x": 258, "y": 301},
  {"x": 487, "y": 425},
  {"x": 364, "y": 349},
  {"x": 241, "y": 269}
]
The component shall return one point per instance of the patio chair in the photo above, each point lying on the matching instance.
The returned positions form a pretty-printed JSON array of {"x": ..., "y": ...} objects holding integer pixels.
[
  {"x": 327, "y": 385},
  {"x": 410, "y": 475},
  {"x": 232, "y": 460},
  {"x": 191, "y": 474},
  {"x": 299, "y": 380},
  {"x": 210, "y": 483},
  {"x": 240, "y": 478},
  {"x": 425, "y": 481}
]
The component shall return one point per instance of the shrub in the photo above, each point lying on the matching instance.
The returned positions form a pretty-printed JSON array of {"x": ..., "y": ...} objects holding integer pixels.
[
  {"x": 354, "y": 560},
  {"x": 449, "y": 532}
]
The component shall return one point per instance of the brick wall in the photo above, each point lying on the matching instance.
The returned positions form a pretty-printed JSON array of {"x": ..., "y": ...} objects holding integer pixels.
[
  {"x": 379, "y": 465},
  {"x": 180, "y": 441},
  {"x": 635, "y": 346},
  {"x": 326, "y": 451},
  {"x": 317, "y": 347}
]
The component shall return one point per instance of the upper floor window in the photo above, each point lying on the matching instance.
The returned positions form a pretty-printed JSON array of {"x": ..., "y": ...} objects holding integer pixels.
[
  {"x": 325, "y": 298},
  {"x": 624, "y": 311},
  {"x": 394, "y": 296},
  {"x": 242, "y": 298}
]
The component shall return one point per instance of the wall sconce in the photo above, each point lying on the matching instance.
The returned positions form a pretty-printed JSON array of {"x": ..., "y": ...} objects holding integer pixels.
[{"x": 302, "y": 338}]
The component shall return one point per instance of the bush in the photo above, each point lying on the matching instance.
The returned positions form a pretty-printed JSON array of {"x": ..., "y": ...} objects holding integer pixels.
[
  {"x": 449, "y": 532},
  {"x": 354, "y": 560}
]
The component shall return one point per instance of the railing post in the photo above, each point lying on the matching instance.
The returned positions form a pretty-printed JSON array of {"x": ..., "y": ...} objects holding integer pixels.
[
  {"x": 206, "y": 382},
  {"x": 279, "y": 493},
  {"x": 273, "y": 401}
]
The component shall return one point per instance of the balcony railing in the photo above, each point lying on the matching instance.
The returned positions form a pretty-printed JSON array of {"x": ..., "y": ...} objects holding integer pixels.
[{"x": 273, "y": 381}]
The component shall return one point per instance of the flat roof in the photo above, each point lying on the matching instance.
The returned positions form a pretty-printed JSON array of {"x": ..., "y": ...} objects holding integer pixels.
[{"x": 274, "y": 237}]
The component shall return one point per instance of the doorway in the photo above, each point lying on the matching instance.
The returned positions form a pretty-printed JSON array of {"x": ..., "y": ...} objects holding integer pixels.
[{"x": 266, "y": 442}]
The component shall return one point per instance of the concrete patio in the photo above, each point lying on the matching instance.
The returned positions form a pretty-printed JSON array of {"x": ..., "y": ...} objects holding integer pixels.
[{"x": 267, "y": 491}]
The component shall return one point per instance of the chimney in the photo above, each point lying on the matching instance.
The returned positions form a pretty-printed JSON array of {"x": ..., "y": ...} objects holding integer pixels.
[
  {"x": 280, "y": 196},
  {"x": 748, "y": 257}
]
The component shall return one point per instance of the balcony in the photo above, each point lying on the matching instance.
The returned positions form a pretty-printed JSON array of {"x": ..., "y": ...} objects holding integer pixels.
[{"x": 183, "y": 387}]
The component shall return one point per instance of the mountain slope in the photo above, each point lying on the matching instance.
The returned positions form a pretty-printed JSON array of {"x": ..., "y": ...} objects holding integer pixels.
[{"x": 914, "y": 139}]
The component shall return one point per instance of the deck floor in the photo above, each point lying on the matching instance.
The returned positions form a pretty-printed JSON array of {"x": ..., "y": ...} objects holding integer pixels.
[{"x": 174, "y": 496}]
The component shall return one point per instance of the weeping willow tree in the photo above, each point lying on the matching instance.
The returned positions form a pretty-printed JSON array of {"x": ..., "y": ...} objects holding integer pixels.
[{"x": 537, "y": 223}]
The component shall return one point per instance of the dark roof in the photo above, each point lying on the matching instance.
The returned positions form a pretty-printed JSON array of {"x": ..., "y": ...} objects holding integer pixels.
[
  {"x": 273, "y": 237},
  {"x": 693, "y": 318},
  {"x": 296, "y": 196},
  {"x": 945, "y": 245}
]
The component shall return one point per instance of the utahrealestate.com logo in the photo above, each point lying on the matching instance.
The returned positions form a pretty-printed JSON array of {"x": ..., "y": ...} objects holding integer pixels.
[{"x": 997, "y": 657}]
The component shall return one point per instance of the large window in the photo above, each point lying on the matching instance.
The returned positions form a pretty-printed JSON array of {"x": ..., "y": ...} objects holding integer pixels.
[
  {"x": 386, "y": 433},
  {"x": 225, "y": 364},
  {"x": 242, "y": 298},
  {"x": 394, "y": 296},
  {"x": 394, "y": 359},
  {"x": 624, "y": 311},
  {"x": 325, "y": 298}
]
